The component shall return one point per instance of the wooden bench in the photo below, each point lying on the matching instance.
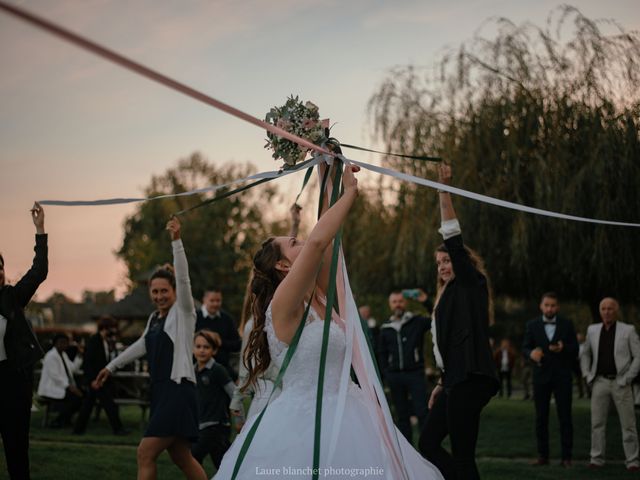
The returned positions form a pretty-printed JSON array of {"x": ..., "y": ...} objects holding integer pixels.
[{"x": 143, "y": 404}]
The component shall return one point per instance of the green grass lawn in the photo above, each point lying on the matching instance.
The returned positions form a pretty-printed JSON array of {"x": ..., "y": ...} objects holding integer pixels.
[{"x": 505, "y": 446}]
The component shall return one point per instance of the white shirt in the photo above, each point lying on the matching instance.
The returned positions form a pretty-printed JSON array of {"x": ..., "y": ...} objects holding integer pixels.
[
  {"x": 205, "y": 313},
  {"x": 436, "y": 351},
  {"x": 3, "y": 330},
  {"x": 54, "y": 379},
  {"x": 504, "y": 364},
  {"x": 549, "y": 328}
]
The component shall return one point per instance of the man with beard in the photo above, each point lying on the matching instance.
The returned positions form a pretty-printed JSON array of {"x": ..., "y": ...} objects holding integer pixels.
[
  {"x": 550, "y": 343},
  {"x": 401, "y": 359}
]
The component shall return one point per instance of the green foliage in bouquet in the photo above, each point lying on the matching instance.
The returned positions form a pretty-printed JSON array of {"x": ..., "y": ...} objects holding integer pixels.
[{"x": 301, "y": 119}]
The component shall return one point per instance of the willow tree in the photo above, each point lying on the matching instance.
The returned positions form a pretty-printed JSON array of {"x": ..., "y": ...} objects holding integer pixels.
[
  {"x": 219, "y": 237},
  {"x": 542, "y": 116}
]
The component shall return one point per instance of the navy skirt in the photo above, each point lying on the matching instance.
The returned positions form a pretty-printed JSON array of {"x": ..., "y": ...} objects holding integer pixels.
[{"x": 174, "y": 406}]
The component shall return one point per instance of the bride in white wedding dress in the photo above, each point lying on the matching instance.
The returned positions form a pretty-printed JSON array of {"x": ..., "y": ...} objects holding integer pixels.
[{"x": 357, "y": 438}]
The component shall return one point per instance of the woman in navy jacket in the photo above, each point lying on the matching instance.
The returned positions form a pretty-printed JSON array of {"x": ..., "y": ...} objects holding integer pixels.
[
  {"x": 19, "y": 351},
  {"x": 461, "y": 345}
]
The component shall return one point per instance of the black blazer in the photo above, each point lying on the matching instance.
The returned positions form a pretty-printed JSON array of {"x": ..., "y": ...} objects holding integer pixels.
[
  {"x": 20, "y": 343},
  {"x": 226, "y": 328},
  {"x": 462, "y": 320},
  {"x": 553, "y": 365},
  {"x": 94, "y": 358}
]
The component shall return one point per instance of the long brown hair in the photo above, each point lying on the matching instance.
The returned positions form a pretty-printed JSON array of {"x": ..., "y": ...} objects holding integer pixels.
[
  {"x": 247, "y": 302},
  {"x": 478, "y": 264},
  {"x": 266, "y": 279}
]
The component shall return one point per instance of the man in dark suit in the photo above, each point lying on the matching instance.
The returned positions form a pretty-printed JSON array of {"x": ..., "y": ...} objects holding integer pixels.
[
  {"x": 550, "y": 343},
  {"x": 212, "y": 317},
  {"x": 96, "y": 357}
]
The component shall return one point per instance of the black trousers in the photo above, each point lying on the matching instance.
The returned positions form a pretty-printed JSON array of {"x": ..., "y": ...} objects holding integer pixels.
[
  {"x": 409, "y": 395},
  {"x": 505, "y": 377},
  {"x": 15, "y": 418},
  {"x": 560, "y": 386},
  {"x": 105, "y": 396},
  {"x": 212, "y": 441},
  {"x": 65, "y": 407},
  {"x": 456, "y": 413}
]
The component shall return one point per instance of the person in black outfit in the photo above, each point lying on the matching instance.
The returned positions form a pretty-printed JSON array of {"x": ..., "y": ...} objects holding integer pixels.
[
  {"x": 96, "y": 357},
  {"x": 550, "y": 343},
  {"x": 212, "y": 317},
  {"x": 215, "y": 389},
  {"x": 19, "y": 351},
  {"x": 401, "y": 360},
  {"x": 461, "y": 337}
]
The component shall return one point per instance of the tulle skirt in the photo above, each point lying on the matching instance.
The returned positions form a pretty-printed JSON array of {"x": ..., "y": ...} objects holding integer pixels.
[{"x": 283, "y": 444}]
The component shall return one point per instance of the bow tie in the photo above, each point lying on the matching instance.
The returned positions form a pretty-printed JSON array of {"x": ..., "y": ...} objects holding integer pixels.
[{"x": 549, "y": 321}]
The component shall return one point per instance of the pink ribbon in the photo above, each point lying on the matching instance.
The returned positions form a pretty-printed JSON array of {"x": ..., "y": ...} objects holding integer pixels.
[{"x": 152, "y": 75}]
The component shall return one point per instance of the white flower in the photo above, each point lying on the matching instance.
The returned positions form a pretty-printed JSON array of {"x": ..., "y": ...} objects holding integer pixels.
[{"x": 311, "y": 106}]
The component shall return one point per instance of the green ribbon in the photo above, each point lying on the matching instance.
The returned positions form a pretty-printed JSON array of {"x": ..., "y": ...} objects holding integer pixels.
[
  {"x": 331, "y": 297},
  {"x": 307, "y": 176},
  {"x": 331, "y": 300},
  {"x": 229, "y": 193},
  {"x": 424, "y": 158},
  {"x": 277, "y": 384}
]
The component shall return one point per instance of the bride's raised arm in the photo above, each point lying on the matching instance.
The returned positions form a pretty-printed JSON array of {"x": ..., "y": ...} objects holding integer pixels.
[{"x": 287, "y": 304}]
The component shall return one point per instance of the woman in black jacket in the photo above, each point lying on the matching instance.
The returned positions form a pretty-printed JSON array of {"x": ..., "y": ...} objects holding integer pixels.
[
  {"x": 19, "y": 351},
  {"x": 461, "y": 345}
]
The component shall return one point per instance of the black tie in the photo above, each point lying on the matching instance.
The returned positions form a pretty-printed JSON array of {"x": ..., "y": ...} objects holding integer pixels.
[{"x": 72, "y": 381}]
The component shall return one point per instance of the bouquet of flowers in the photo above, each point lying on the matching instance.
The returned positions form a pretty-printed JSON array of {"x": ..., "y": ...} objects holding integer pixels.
[{"x": 301, "y": 119}]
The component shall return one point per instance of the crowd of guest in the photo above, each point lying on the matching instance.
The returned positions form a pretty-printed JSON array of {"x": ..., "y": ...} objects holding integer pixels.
[{"x": 76, "y": 379}]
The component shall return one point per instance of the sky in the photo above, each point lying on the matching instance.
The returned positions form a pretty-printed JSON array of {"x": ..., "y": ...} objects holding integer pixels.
[{"x": 73, "y": 126}]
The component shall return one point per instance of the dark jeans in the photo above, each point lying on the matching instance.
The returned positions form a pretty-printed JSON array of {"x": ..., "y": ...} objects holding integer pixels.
[
  {"x": 105, "y": 396},
  {"x": 213, "y": 441},
  {"x": 505, "y": 377},
  {"x": 560, "y": 386},
  {"x": 15, "y": 418},
  {"x": 456, "y": 413},
  {"x": 405, "y": 385}
]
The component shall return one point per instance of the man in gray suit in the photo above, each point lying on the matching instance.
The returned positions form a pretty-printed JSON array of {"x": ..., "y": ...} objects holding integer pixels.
[{"x": 610, "y": 361}]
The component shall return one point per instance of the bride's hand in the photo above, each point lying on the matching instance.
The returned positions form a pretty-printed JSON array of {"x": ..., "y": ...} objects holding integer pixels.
[{"x": 349, "y": 180}]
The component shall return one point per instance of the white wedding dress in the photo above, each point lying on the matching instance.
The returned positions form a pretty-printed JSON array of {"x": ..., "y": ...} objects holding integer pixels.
[{"x": 283, "y": 444}]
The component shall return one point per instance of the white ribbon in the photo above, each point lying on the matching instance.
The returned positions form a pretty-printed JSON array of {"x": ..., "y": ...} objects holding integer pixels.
[
  {"x": 374, "y": 168},
  {"x": 483, "y": 198},
  {"x": 116, "y": 201}
]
